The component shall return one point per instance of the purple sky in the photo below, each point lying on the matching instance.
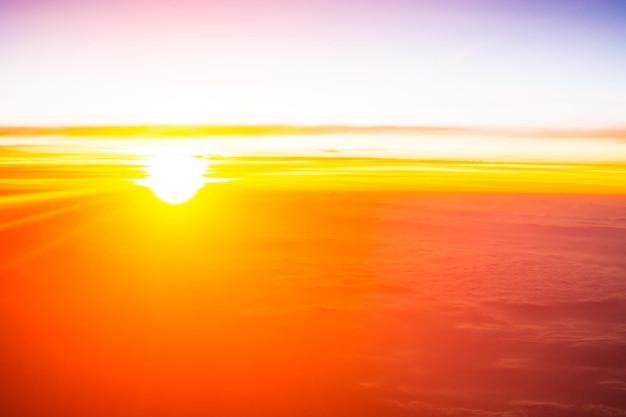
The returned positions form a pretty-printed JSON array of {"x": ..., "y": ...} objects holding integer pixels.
[{"x": 488, "y": 62}]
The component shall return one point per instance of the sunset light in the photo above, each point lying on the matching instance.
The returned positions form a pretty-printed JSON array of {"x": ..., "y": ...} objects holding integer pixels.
[
  {"x": 312, "y": 208},
  {"x": 175, "y": 179}
]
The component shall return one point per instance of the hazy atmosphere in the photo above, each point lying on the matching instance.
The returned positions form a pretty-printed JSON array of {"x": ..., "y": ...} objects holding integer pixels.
[
  {"x": 533, "y": 63},
  {"x": 402, "y": 208}
]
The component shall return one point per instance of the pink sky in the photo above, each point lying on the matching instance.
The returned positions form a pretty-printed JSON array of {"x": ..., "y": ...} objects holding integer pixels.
[{"x": 400, "y": 62}]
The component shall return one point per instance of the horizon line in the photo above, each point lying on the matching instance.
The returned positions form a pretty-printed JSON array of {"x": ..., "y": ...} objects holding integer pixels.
[{"x": 288, "y": 129}]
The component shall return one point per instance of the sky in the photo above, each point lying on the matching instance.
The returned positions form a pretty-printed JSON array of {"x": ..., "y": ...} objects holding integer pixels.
[{"x": 395, "y": 62}]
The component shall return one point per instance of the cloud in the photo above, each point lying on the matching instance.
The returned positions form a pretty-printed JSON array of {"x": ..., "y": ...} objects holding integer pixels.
[
  {"x": 603, "y": 310},
  {"x": 421, "y": 409},
  {"x": 517, "y": 409},
  {"x": 546, "y": 409}
]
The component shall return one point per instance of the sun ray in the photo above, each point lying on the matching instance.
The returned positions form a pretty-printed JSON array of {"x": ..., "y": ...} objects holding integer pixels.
[
  {"x": 58, "y": 240},
  {"x": 45, "y": 215},
  {"x": 48, "y": 196}
]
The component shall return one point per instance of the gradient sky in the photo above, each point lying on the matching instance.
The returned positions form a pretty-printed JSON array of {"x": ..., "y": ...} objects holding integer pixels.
[{"x": 526, "y": 63}]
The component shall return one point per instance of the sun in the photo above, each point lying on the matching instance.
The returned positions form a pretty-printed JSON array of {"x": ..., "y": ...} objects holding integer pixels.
[{"x": 175, "y": 179}]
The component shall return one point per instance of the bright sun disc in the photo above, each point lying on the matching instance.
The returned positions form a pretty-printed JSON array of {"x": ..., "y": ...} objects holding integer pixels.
[{"x": 175, "y": 179}]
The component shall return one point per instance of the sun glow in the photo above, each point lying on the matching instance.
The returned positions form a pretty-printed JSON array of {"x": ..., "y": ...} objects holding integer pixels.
[{"x": 176, "y": 179}]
